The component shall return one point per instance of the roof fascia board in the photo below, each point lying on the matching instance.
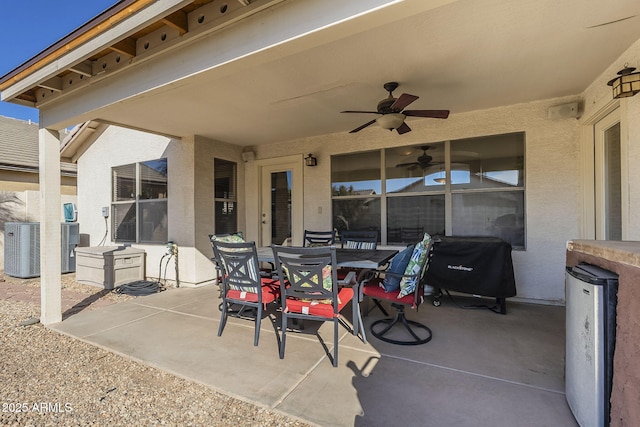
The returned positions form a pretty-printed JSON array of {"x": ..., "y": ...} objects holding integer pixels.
[
  {"x": 101, "y": 41},
  {"x": 68, "y": 42}
]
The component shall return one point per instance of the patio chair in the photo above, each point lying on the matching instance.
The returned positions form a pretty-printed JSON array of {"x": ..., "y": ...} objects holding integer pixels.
[
  {"x": 241, "y": 282},
  {"x": 309, "y": 288},
  {"x": 409, "y": 292},
  {"x": 318, "y": 238},
  {"x": 365, "y": 239},
  {"x": 237, "y": 237}
]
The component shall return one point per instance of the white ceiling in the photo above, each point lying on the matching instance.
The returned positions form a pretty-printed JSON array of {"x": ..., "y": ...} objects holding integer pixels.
[{"x": 463, "y": 56}]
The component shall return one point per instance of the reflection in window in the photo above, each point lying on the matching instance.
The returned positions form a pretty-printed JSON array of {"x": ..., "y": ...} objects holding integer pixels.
[
  {"x": 415, "y": 169},
  {"x": 153, "y": 179},
  {"x": 491, "y": 162},
  {"x": 356, "y": 187},
  {"x": 356, "y": 174},
  {"x": 357, "y": 214},
  {"x": 499, "y": 214},
  {"x": 408, "y": 218},
  {"x": 479, "y": 188}
]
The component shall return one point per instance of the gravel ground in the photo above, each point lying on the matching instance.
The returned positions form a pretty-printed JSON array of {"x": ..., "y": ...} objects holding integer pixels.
[{"x": 51, "y": 379}]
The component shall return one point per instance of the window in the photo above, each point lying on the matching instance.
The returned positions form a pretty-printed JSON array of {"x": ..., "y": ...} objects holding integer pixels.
[
  {"x": 225, "y": 197},
  {"x": 356, "y": 190},
  {"x": 468, "y": 187},
  {"x": 139, "y": 202}
]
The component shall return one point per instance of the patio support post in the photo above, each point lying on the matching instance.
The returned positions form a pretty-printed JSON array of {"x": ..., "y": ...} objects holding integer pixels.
[{"x": 50, "y": 234}]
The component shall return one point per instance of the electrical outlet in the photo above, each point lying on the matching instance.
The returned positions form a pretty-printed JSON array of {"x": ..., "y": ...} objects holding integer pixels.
[{"x": 105, "y": 212}]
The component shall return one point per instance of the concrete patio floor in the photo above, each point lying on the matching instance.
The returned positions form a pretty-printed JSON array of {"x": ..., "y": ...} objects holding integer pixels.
[{"x": 480, "y": 369}]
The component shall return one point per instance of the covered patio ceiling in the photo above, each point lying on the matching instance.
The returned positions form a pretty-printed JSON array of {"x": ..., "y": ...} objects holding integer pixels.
[{"x": 459, "y": 55}]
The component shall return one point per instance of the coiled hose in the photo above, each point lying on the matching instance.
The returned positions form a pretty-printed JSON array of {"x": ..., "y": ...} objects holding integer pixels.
[{"x": 144, "y": 287}]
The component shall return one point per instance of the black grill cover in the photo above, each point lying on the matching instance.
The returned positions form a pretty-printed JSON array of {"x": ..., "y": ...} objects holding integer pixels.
[{"x": 472, "y": 265}]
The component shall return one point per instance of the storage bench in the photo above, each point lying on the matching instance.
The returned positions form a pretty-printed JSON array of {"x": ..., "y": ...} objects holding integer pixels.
[{"x": 109, "y": 266}]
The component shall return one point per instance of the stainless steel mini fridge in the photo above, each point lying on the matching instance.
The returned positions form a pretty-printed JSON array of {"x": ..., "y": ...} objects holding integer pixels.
[{"x": 591, "y": 299}]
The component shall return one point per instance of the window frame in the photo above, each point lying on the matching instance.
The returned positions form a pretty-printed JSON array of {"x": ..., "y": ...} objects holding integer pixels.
[
  {"x": 233, "y": 198},
  {"x": 137, "y": 202},
  {"x": 447, "y": 190}
]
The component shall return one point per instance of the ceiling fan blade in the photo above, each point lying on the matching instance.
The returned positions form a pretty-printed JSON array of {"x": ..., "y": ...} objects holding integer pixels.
[
  {"x": 436, "y": 114},
  {"x": 403, "y": 128},
  {"x": 402, "y": 165},
  {"x": 404, "y": 100},
  {"x": 364, "y": 112},
  {"x": 363, "y": 126}
]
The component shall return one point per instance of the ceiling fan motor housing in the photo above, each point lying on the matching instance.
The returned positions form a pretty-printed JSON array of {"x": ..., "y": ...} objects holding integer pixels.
[{"x": 384, "y": 106}]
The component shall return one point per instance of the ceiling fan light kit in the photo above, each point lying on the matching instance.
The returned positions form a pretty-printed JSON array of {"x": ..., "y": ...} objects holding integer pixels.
[
  {"x": 392, "y": 111},
  {"x": 391, "y": 121}
]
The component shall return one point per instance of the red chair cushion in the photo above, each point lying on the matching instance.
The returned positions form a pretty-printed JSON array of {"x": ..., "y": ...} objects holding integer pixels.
[
  {"x": 270, "y": 291},
  {"x": 324, "y": 310},
  {"x": 374, "y": 290}
]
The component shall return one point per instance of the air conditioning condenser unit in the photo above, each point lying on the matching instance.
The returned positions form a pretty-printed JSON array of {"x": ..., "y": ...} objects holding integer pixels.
[{"x": 22, "y": 248}]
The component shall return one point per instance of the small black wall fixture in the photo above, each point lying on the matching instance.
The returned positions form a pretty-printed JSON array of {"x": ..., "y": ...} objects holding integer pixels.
[
  {"x": 626, "y": 84},
  {"x": 310, "y": 160}
]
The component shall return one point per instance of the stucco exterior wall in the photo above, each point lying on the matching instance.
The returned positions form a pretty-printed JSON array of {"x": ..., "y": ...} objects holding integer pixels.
[
  {"x": 598, "y": 100},
  {"x": 190, "y": 195},
  {"x": 553, "y": 198},
  {"x": 557, "y": 208}
]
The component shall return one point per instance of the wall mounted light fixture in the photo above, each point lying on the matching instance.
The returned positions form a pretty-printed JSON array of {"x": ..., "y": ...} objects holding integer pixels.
[
  {"x": 626, "y": 84},
  {"x": 310, "y": 160}
]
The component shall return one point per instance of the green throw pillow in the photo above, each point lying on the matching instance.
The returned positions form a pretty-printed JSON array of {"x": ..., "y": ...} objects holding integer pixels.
[
  {"x": 327, "y": 283},
  {"x": 408, "y": 284},
  {"x": 228, "y": 238}
]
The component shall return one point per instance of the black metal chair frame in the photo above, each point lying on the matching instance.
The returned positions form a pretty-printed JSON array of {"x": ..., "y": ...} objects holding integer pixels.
[
  {"x": 347, "y": 275},
  {"x": 361, "y": 236},
  {"x": 236, "y": 261},
  {"x": 304, "y": 281},
  {"x": 319, "y": 238},
  {"x": 400, "y": 316}
]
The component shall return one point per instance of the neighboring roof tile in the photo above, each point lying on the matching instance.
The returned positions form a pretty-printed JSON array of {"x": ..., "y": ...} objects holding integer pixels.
[{"x": 19, "y": 146}]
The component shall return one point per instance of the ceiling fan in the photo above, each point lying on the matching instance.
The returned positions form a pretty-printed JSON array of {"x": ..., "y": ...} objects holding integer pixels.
[
  {"x": 423, "y": 161},
  {"x": 392, "y": 112}
]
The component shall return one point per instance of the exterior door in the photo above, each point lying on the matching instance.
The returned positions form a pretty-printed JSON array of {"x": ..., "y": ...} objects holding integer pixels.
[
  {"x": 281, "y": 203},
  {"x": 608, "y": 178}
]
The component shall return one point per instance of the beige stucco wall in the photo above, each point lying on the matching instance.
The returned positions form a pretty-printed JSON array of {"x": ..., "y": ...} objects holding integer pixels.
[
  {"x": 553, "y": 197},
  {"x": 598, "y": 101},
  {"x": 190, "y": 169},
  {"x": 559, "y": 172},
  {"x": 557, "y": 176}
]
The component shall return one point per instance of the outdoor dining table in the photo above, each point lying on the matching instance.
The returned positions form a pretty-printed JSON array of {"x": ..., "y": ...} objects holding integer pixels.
[{"x": 361, "y": 259}]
